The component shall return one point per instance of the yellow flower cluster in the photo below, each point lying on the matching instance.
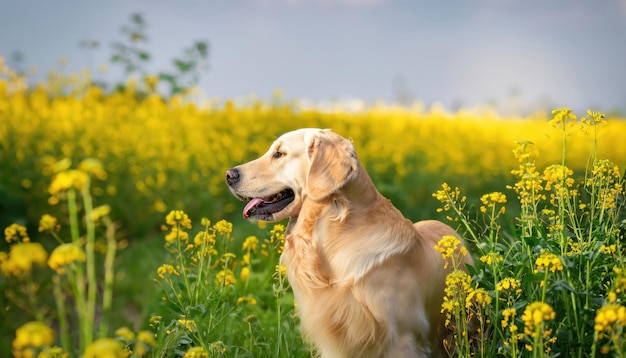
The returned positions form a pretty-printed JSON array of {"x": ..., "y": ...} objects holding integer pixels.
[
  {"x": 142, "y": 342},
  {"x": 68, "y": 179},
  {"x": 548, "y": 261},
  {"x": 530, "y": 184},
  {"x": 49, "y": 223},
  {"x": 562, "y": 117},
  {"x": 106, "y": 347},
  {"x": 224, "y": 227},
  {"x": 509, "y": 284},
  {"x": 16, "y": 232},
  {"x": 64, "y": 255},
  {"x": 167, "y": 269},
  {"x": 457, "y": 282},
  {"x": 449, "y": 197},
  {"x": 188, "y": 325},
  {"x": 225, "y": 277},
  {"x": 490, "y": 200},
  {"x": 478, "y": 297},
  {"x": 21, "y": 258},
  {"x": 556, "y": 175},
  {"x": 276, "y": 241},
  {"x": 492, "y": 258},
  {"x": 450, "y": 249},
  {"x": 246, "y": 299},
  {"x": 535, "y": 315},
  {"x": 281, "y": 270},
  {"x": 508, "y": 319},
  {"x": 178, "y": 217},
  {"x": 196, "y": 352},
  {"x": 610, "y": 317},
  {"x": 32, "y": 335}
]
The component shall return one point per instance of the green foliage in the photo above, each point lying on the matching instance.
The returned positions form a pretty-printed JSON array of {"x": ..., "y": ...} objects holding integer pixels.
[{"x": 132, "y": 54}]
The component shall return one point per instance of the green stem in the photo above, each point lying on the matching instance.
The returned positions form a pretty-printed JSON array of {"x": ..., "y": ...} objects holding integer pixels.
[
  {"x": 61, "y": 314},
  {"x": 73, "y": 215},
  {"x": 109, "y": 277},
  {"x": 92, "y": 283},
  {"x": 181, "y": 259},
  {"x": 78, "y": 281}
]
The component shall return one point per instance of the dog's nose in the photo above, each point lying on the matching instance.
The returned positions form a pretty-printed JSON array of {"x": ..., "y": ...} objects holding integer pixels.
[{"x": 232, "y": 176}]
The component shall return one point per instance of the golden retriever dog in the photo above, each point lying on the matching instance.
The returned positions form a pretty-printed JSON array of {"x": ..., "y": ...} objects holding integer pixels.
[{"x": 367, "y": 281}]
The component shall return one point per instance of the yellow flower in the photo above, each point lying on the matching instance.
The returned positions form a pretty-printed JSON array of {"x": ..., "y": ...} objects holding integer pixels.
[
  {"x": 281, "y": 270},
  {"x": 556, "y": 175},
  {"x": 250, "y": 243},
  {"x": 549, "y": 261},
  {"x": 203, "y": 237},
  {"x": 105, "y": 348},
  {"x": 611, "y": 249},
  {"x": 247, "y": 299},
  {"x": 178, "y": 216},
  {"x": 22, "y": 257},
  {"x": 508, "y": 283},
  {"x": 447, "y": 246},
  {"x": 32, "y": 335},
  {"x": 16, "y": 232},
  {"x": 508, "y": 316},
  {"x": 224, "y": 227},
  {"x": 145, "y": 341},
  {"x": 276, "y": 240},
  {"x": 167, "y": 270},
  {"x": 535, "y": 315},
  {"x": 187, "y": 324},
  {"x": 244, "y": 274},
  {"x": 493, "y": 198},
  {"x": 66, "y": 180},
  {"x": 196, "y": 352},
  {"x": 225, "y": 278},
  {"x": 480, "y": 297},
  {"x": 593, "y": 118},
  {"x": 125, "y": 333},
  {"x": 48, "y": 223},
  {"x": 491, "y": 258},
  {"x": 64, "y": 255},
  {"x": 155, "y": 321},
  {"x": 100, "y": 212},
  {"x": 93, "y": 166},
  {"x": 147, "y": 337},
  {"x": 458, "y": 282},
  {"x": 176, "y": 234},
  {"x": 562, "y": 117},
  {"x": 610, "y": 317}
]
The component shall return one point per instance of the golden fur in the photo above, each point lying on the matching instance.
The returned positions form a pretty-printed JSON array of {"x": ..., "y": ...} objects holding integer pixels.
[{"x": 367, "y": 281}]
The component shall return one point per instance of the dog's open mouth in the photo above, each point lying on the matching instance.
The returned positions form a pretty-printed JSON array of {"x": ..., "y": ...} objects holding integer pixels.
[{"x": 263, "y": 208}]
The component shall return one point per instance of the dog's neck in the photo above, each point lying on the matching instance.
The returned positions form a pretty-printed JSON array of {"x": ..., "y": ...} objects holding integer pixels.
[{"x": 361, "y": 188}]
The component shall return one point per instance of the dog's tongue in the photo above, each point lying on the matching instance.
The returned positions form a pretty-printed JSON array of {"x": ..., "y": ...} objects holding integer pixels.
[{"x": 251, "y": 204}]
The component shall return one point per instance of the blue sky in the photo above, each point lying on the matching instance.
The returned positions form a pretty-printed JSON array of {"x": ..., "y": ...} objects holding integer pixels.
[{"x": 520, "y": 54}]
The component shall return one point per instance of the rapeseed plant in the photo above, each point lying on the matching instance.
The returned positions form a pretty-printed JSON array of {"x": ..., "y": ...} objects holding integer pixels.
[{"x": 558, "y": 263}]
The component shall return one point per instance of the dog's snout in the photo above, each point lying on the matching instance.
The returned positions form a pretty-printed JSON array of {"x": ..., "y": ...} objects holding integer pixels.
[{"x": 232, "y": 176}]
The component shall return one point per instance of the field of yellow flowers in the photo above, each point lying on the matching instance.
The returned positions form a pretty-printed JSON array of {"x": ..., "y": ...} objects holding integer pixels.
[{"x": 95, "y": 183}]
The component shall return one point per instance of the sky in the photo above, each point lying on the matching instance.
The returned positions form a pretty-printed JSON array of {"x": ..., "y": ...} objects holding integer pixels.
[{"x": 517, "y": 54}]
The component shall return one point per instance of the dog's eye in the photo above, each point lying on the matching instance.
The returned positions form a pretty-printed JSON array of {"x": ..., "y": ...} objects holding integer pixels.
[{"x": 277, "y": 155}]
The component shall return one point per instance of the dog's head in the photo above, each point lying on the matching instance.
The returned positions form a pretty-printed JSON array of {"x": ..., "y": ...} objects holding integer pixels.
[{"x": 306, "y": 164}]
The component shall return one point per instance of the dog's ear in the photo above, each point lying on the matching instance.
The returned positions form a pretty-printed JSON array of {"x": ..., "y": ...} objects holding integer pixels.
[{"x": 333, "y": 163}]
